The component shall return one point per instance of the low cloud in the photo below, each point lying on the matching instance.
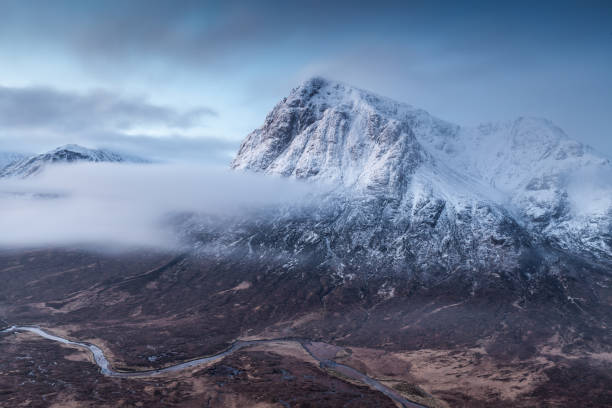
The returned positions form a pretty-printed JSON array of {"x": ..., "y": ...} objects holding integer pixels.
[
  {"x": 590, "y": 191},
  {"x": 172, "y": 148},
  {"x": 120, "y": 206}
]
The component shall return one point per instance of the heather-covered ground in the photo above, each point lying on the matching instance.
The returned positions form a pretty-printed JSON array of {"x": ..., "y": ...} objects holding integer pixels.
[{"x": 150, "y": 310}]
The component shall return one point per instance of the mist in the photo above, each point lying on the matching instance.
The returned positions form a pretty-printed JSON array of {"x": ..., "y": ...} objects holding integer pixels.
[
  {"x": 126, "y": 206},
  {"x": 590, "y": 191}
]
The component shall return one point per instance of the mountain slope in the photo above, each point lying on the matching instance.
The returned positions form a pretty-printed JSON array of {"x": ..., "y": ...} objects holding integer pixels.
[
  {"x": 64, "y": 154},
  {"x": 525, "y": 173},
  {"x": 7, "y": 158}
]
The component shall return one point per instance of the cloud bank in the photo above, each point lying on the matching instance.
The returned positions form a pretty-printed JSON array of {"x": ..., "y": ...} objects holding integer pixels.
[{"x": 124, "y": 206}]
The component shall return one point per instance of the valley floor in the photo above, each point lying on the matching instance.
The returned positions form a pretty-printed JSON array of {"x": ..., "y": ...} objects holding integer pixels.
[{"x": 152, "y": 310}]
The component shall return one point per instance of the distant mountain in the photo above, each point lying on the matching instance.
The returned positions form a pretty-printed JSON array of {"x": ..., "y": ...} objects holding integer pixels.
[
  {"x": 7, "y": 158},
  {"x": 71, "y": 153}
]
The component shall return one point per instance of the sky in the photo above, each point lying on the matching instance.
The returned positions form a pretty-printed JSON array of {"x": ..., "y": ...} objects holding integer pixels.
[{"x": 186, "y": 80}]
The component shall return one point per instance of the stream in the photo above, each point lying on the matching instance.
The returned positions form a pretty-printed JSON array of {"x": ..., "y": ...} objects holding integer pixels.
[{"x": 106, "y": 369}]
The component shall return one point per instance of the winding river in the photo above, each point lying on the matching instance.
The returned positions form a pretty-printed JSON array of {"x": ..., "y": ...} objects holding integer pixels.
[{"x": 106, "y": 369}]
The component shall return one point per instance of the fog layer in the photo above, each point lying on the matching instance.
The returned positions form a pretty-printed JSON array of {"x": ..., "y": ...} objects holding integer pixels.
[{"x": 119, "y": 206}]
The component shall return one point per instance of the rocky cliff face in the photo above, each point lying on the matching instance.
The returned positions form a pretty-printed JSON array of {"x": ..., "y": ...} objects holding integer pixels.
[{"x": 425, "y": 193}]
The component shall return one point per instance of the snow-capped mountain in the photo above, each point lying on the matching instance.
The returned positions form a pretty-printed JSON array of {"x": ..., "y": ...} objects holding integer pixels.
[
  {"x": 29, "y": 166},
  {"x": 418, "y": 193},
  {"x": 7, "y": 158}
]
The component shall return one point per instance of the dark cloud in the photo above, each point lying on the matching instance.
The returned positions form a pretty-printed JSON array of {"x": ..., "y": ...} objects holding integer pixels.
[
  {"x": 105, "y": 34},
  {"x": 203, "y": 31},
  {"x": 36, "y": 107}
]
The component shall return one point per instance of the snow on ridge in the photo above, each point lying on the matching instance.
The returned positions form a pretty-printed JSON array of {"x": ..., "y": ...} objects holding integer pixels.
[
  {"x": 504, "y": 156},
  {"x": 6, "y": 158},
  {"x": 327, "y": 130},
  {"x": 32, "y": 165}
]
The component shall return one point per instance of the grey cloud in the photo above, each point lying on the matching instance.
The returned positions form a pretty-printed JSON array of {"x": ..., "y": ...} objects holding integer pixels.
[
  {"x": 201, "y": 34},
  {"x": 37, "y": 118},
  {"x": 38, "y": 107},
  {"x": 174, "y": 37},
  {"x": 207, "y": 31},
  {"x": 108, "y": 35}
]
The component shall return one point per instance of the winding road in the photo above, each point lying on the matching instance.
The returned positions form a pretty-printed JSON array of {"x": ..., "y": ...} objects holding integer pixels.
[{"x": 106, "y": 369}]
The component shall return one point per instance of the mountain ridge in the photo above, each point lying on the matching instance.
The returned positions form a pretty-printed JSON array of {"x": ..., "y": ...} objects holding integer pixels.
[
  {"x": 32, "y": 165},
  {"x": 7, "y": 158},
  {"x": 329, "y": 131}
]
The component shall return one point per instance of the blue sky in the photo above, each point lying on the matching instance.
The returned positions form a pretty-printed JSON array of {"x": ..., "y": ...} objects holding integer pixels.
[{"x": 189, "y": 79}]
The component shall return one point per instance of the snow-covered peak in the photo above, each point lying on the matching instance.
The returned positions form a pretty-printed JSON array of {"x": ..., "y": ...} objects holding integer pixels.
[
  {"x": 329, "y": 131},
  {"x": 508, "y": 155},
  {"x": 324, "y": 93},
  {"x": 70, "y": 153},
  {"x": 75, "y": 148},
  {"x": 7, "y": 158}
]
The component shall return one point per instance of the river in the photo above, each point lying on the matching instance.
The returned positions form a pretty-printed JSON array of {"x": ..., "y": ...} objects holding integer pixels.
[{"x": 106, "y": 369}]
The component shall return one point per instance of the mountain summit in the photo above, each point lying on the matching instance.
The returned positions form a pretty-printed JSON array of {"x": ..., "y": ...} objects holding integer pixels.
[
  {"x": 70, "y": 153},
  {"x": 525, "y": 172}
]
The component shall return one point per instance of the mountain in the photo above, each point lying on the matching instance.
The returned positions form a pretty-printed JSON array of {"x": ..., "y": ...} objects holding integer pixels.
[
  {"x": 71, "y": 153},
  {"x": 427, "y": 234},
  {"x": 7, "y": 158},
  {"x": 420, "y": 193},
  {"x": 464, "y": 267}
]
